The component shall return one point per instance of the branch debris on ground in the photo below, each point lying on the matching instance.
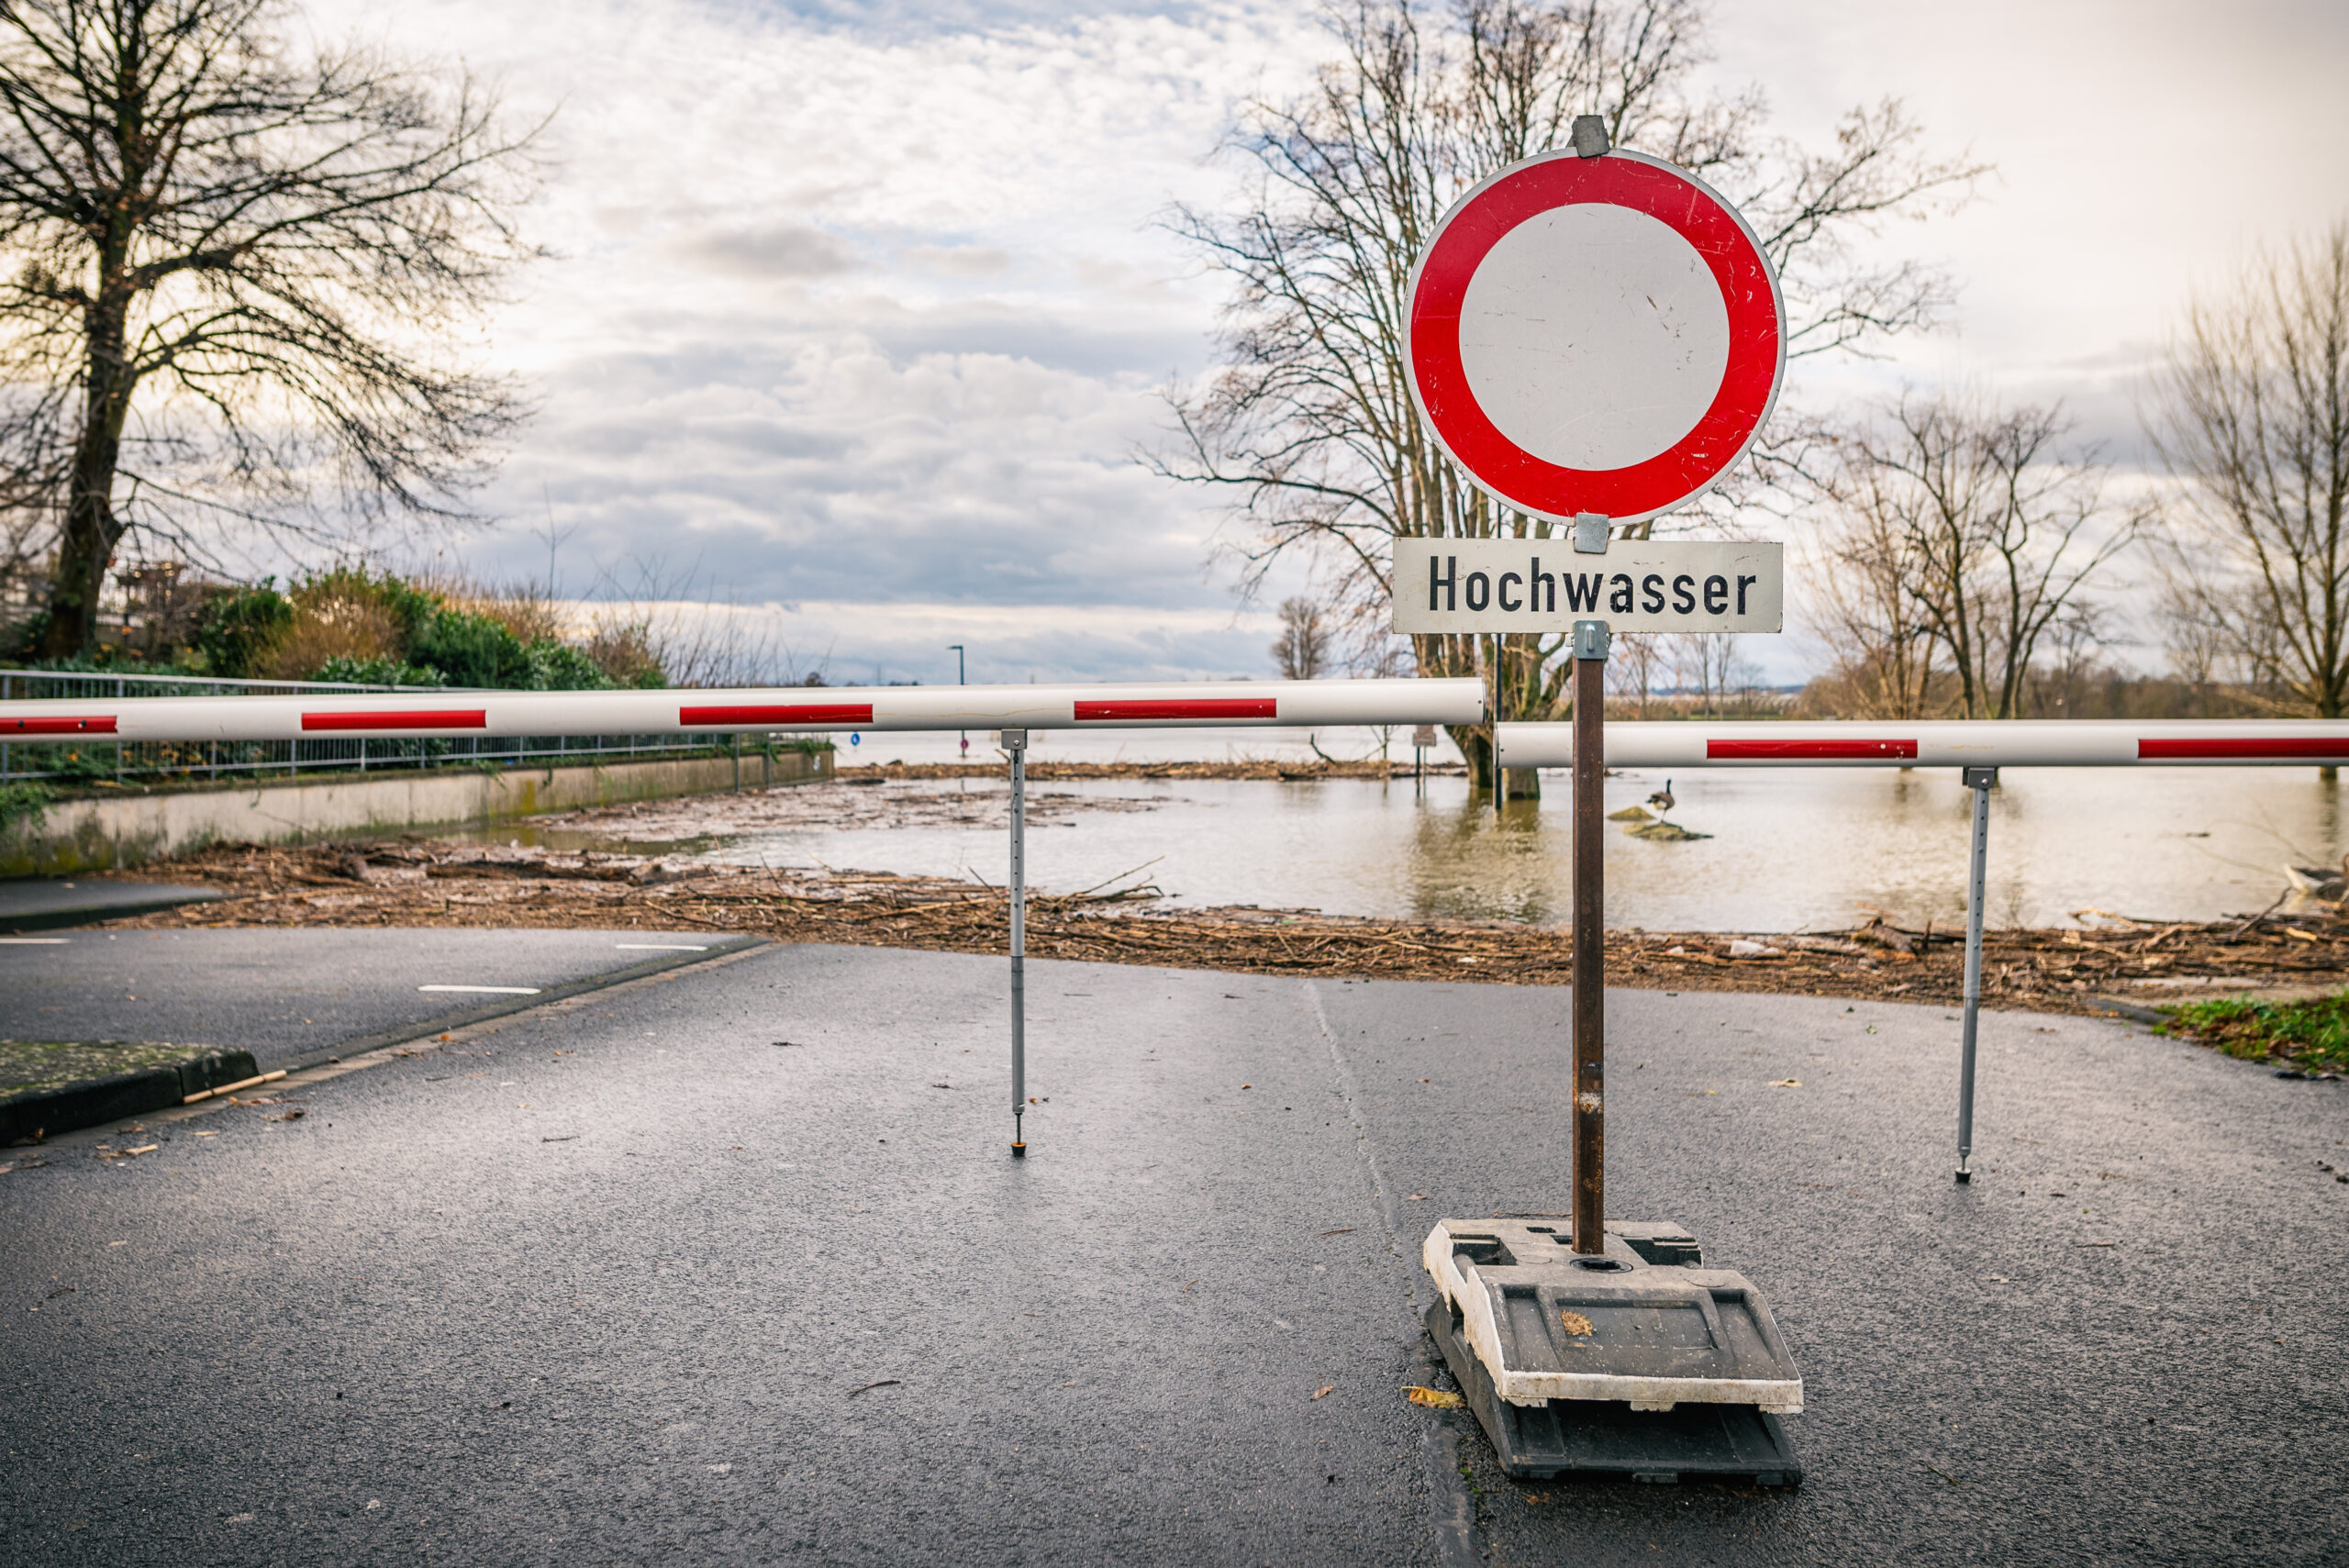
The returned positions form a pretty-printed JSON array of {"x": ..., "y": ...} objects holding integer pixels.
[{"x": 421, "y": 882}]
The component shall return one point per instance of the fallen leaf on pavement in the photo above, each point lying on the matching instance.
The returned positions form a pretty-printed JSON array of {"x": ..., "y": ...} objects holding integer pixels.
[
  {"x": 1347, "y": 1230},
  {"x": 1325, "y": 1391},
  {"x": 1575, "y": 1322},
  {"x": 1433, "y": 1398},
  {"x": 1786, "y": 1083},
  {"x": 295, "y": 1114},
  {"x": 884, "y": 1382}
]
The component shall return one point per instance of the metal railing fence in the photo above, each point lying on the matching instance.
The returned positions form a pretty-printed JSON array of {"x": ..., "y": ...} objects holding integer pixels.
[{"x": 95, "y": 760}]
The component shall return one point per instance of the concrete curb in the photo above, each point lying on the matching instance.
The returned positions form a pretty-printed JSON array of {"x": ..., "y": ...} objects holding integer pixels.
[
  {"x": 32, "y": 1115},
  {"x": 90, "y": 915},
  {"x": 2132, "y": 1010},
  {"x": 164, "y": 1090}
]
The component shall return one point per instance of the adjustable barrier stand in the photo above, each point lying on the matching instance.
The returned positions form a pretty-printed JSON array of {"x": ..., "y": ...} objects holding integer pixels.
[
  {"x": 1979, "y": 781},
  {"x": 1015, "y": 742},
  {"x": 1613, "y": 1351}
]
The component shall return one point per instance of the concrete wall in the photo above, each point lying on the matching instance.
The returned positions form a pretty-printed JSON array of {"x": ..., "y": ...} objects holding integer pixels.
[{"x": 115, "y": 830}]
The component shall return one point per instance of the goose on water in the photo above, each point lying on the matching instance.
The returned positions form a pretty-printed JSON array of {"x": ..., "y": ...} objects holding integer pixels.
[
  {"x": 1662, "y": 799},
  {"x": 2320, "y": 881}
]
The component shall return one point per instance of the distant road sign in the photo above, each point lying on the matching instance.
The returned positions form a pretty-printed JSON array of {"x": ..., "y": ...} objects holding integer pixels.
[
  {"x": 1595, "y": 335},
  {"x": 1542, "y": 586}
]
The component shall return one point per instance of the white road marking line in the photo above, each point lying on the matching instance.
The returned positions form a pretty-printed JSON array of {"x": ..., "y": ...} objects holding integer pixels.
[
  {"x": 663, "y": 947},
  {"x": 500, "y": 990},
  {"x": 34, "y": 941}
]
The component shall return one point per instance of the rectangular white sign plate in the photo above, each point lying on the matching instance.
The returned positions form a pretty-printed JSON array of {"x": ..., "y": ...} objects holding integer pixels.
[{"x": 1543, "y": 586}]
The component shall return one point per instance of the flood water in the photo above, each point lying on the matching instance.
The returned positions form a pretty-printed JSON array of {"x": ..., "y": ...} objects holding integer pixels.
[{"x": 1789, "y": 849}]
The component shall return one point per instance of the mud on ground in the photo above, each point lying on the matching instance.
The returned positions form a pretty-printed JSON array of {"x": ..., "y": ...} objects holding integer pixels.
[{"x": 2120, "y": 964}]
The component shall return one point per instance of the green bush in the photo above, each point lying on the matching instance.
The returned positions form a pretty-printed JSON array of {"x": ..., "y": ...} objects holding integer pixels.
[
  {"x": 76, "y": 766},
  {"x": 439, "y": 644},
  {"x": 240, "y": 626},
  {"x": 471, "y": 651},
  {"x": 24, "y": 802},
  {"x": 559, "y": 667},
  {"x": 408, "y": 606},
  {"x": 378, "y": 673}
]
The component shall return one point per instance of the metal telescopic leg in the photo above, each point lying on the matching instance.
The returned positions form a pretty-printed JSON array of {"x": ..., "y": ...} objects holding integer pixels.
[
  {"x": 1016, "y": 742},
  {"x": 1500, "y": 780},
  {"x": 1590, "y": 938},
  {"x": 1979, "y": 781}
]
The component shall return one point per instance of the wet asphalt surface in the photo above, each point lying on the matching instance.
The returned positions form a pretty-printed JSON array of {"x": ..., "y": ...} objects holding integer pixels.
[
  {"x": 294, "y": 995},
  {"x": 626, "y": 1280}
]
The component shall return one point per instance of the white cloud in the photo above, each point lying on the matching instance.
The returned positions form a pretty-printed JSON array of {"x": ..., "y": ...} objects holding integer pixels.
[
  {"x": 869, "y": 314},
  {"x": 865, "y": 305}
]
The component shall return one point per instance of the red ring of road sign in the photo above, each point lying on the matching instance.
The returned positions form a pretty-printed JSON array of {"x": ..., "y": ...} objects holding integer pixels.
[{"x": 1749, "y": 291}]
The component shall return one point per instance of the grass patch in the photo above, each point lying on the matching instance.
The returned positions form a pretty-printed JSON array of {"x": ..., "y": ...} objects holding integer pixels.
[{"x": 2312, "y": 1034}]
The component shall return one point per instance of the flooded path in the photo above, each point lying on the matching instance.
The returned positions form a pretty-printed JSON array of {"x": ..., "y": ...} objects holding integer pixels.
[{"x": 1787, "y": 849}]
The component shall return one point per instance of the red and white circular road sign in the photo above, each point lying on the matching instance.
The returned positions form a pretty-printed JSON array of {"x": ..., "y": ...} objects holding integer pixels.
[{"x": 1595, "y": 335}]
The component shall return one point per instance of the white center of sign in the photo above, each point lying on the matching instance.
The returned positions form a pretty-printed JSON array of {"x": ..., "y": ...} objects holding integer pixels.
[{"x": 1593, "y": 335}]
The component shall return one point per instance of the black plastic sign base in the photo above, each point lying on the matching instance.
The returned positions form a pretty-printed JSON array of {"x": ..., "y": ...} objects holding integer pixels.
[{"x": 1594, "y": 1437}]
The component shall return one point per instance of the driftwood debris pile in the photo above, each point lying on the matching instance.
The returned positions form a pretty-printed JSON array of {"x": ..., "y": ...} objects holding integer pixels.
[{"x": 423, "y": 882}]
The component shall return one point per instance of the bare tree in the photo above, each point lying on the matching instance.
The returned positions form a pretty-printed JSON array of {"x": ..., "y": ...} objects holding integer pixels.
[
  {"x": 2252, "y": 414},
  {"x": 1713, "y": 666},
  {"x": 1311, "y": 427},
  {"x": 1302, "y": 649},
  {"x": 1632, "y": 666},
  {"x": 1865, "y": 560},
  {"x": 1991, "y": 525},
  {"x": 243, "y": 267},
  {"x": 646, "y": 613}
]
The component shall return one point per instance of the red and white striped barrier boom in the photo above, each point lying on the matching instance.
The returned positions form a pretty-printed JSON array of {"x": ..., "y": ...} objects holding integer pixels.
[
  {"x": 1941, "y": 743},
  {"x": 427, "y": 715}
]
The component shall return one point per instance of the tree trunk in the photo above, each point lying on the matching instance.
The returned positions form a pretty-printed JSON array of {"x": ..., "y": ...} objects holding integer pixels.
[
  {"x": 86, "y": 546},
  {"x": 1475, "y": 743}
]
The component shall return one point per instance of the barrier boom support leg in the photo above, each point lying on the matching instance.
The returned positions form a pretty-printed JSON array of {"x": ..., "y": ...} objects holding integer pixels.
[
  {"x": 1016, "y": 742},
  {"x": 1979, "y": 781}
]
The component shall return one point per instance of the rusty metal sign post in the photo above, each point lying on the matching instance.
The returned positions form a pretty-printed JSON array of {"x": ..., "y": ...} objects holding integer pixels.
[{"x": 1590, "y": 937}]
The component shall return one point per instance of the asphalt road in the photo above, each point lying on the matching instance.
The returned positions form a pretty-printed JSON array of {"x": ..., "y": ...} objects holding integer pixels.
[
  {"x": 294, "y": 995},
  {"x": 628, "y": 1280}
]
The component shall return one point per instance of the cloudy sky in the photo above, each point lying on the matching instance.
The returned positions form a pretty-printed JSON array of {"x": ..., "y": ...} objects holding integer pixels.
[{"x": 858, "y": 312}]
